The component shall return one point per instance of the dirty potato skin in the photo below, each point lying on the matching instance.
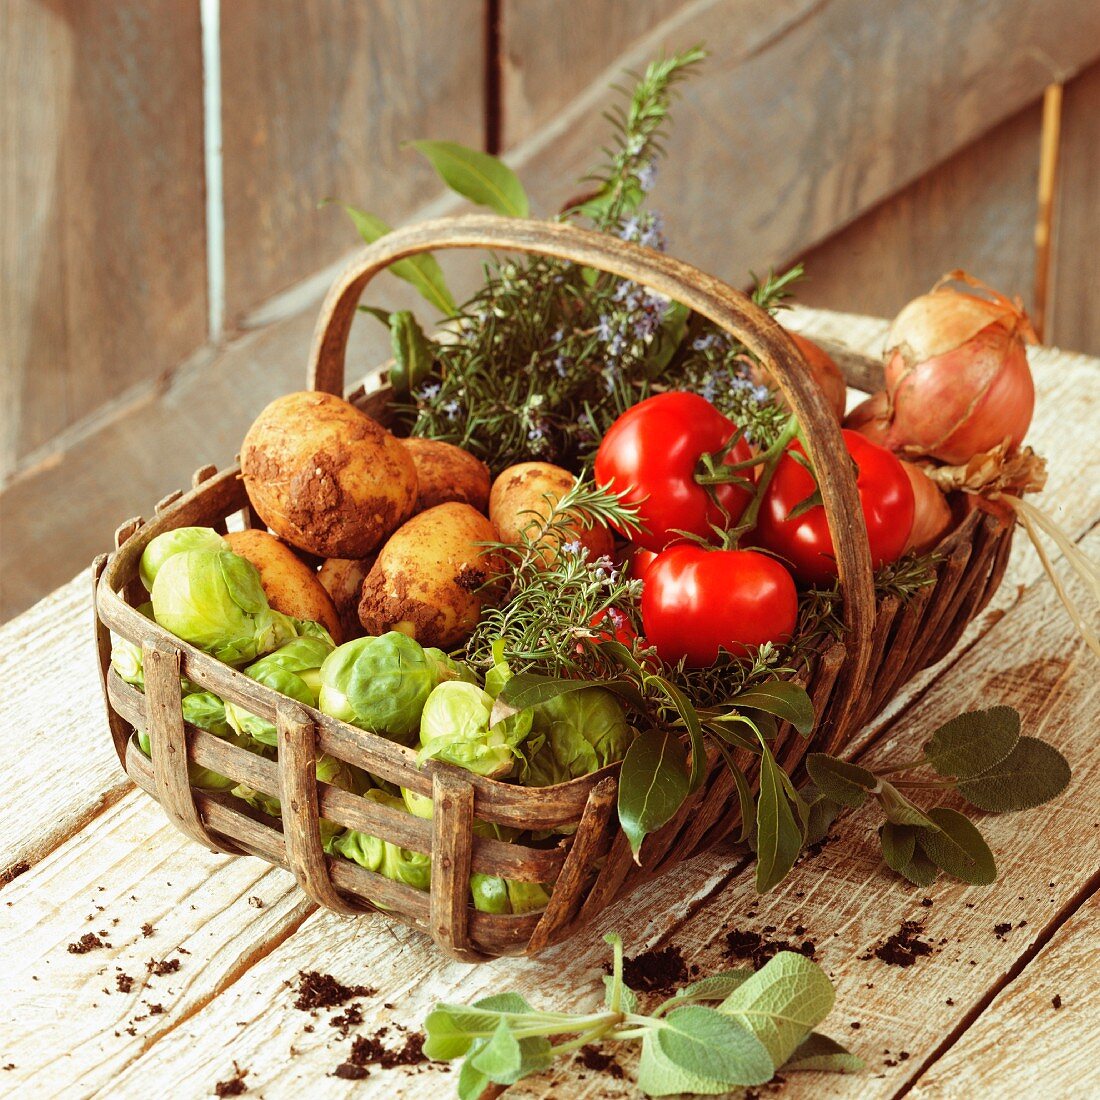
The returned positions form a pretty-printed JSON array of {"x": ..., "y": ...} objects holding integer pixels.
[
  {"x": 523, "y": 489},
  {"x": 426, "y": 580},
  {"x": 342, "y": 579},
  {"x": 326, "y": 477},
  {"x": 290, "y": 585},
  {"x": 445, "y": 472}
]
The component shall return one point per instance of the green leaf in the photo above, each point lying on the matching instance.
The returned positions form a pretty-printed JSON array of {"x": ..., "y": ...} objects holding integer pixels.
[
  {"x": 690, "y": 718},
  {"x": 653, "y": 784},
  {"x": 819, "y": 1052},
  {"x": 629, "y": 1001},
  {"x": 704, "y": 1042},
  {"x": 669, "y": 337},
  {"x": 500, "y": 1059},
  {"x": 973, "y": 742},
  {"x": 412, "y": 353},
  {"x": 477, "y": 176},
  {"x": 382, "y": 315},
  {"x": 899, "y": 809},
  {"x": 782, "y": 1002},
  {"x": 920, "y": 870},
  {"x": 822, "y": 813},
  {"x": 778, "y": 835},
  {"x": 783, "y": 699},
  {"x": 807, "y": 504},
  {"x": 958, "y": 848},
  {"x": 529, "y": 689},
  {"x": 899, "y": 842},
  {"x": 844, "y": 783},
  {"x": 422, "y": 271},
  {"x": 657, "y": 1076},
  {"x": 714, "y": 987},
  {"x": 471, "y": 1081},
  {"x": 1033, "y": 773},
  {"x": 746, "y": 801},
  {"x": 447, "y": 1035}
]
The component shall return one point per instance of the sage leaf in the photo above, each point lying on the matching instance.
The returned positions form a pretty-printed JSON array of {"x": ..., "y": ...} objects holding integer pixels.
[
  {"x": 899, "y": 842},
  {"x": 819, "y": 1052},
  {"x": 653, "y": 784},
  {"x": 412, "y": 354},
  {"x": 778, "y": 835},
  {"x": 500, "y": 1059},
  {"x": 1032, "y": 773},
  {"x": 471, "y": 1081},
  {"x": 706, "y": 1043},
  {"x": 844, "y": 783},
  {"x": 479, "y": 177},
  {"x": 714, "y": 987},
  {"x": 958, "y": 848},
  {"x": 899, "y": 809},
  {"x": 628, "y": 998},
  {"x": 657, "y": 1076},
  {"x": 783, "y": 699},
  {"x": 422, "y": 271},
  {"x": 973, "y": 742},
  {"x": 920, "y": 870},
  {"x": 746, "y": 802},
  {"x": 782, "y": 1003},
  {"x": 820, "y": 816},
  {"x": 690, "y": 718},
  {"x": 529, "y": 689}
]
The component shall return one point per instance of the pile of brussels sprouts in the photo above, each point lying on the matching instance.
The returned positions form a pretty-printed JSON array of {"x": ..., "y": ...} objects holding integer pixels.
[{"x": 389, "y": 684}]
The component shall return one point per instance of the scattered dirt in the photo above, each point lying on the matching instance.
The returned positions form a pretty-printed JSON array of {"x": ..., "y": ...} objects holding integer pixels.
[
  {"x": 367, "y": 1050},
  {"x": 757, "y": 947},
  {"x": 651, "y": 971},
  {"x": 591, "y": 1057},
  {"x": 1056, "y": 1000},
  {"x": 904, "y": 947},
  {"x": 316, "y": 990},
  {"x": 350, "y": 1018},
  {"x": 124, "y": 982},
  {"x": 160, "y": 967},
  {"x": 88, "y": 942},
  {"x": 232, "y": 1086}
]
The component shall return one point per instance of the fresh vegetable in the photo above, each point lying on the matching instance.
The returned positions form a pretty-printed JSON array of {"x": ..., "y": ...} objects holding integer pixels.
[
  {"x": 611, "y": 624},
  {"x": 871, "y": 418},
  {"x": 342, "y": 579},
  {"x": 326, "y": 477},
  {"x": 428, "y": 581},
  {"x": 792, "y": 521},
  {"x": 382, "y": 683},
  {"x": 126, "y": 657},
  {"x": 445, "y": 472},
  {"x": 289, "y": 584},
  {"x": 455, "y": 727},
  {"x": 824, "y": 370},
  {"x": 659, "y": 455},
  {"x": 161, "y": 548},
  {"x": 574, "y": 735},
  {"x": 932, "y": 517},
  {"x": 292, "y": 670},
  {"x": 696, "y": 602},
  {"x": 957, "y": 376},
  {"x": 521, "y": 501},
  {"x": 214, "y": 600}
]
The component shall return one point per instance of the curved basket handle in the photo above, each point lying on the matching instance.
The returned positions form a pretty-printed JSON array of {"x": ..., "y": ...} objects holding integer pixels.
[{"x": 728, "y": 308}]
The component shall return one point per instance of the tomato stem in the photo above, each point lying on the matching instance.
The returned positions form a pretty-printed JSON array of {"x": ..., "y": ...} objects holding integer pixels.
[{"x": 768, "y": 460}]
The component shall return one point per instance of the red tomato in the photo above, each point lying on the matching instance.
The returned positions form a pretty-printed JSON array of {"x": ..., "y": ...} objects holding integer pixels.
[
  {"x": 884, "y": 492},
  {"x": 651, "y": 455},
  {"x": 611, "y": 625},
  {"x": 640, "y": 560},
  {"x": 696, "y": 600}
]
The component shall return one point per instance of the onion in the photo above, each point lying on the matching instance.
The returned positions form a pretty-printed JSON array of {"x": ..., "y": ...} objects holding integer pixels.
[
  {"x": 932, "y": 516},
  {"x": 871, "y": 419},
  {"x": 822, "y": 366},
  {"x": 957, "y": 377}
]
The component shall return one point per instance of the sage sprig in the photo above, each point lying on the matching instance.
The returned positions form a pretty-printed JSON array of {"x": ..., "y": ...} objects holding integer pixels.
[{"x": 735, "y": 1028}]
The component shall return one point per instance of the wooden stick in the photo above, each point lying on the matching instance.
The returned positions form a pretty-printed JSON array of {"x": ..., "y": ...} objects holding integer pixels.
[{"x": 1049, "y": 143}]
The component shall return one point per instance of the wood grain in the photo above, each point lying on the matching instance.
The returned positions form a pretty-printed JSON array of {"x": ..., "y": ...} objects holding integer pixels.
[
  {"x": 100, "y": 181},
  {"x": 318, "y": 96},
  {"x": 758, "y": 173},
  {"x": 975, "y": 211},
  {"x": 1074, "y": 320}
]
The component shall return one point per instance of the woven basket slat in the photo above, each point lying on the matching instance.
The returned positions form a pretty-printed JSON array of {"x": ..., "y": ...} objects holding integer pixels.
[
  {"x": 120, "y": 732},
  {"x": 452, "y": 849}
]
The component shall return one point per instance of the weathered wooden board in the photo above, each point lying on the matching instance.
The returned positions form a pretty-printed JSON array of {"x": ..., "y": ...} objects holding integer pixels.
[
  {"x": 1055, "y": 995},
  {"x": 975, "y": 211},
  {"x": 550, "y": 51},
  {"x": 1074, "y": 320},
  {"x": 132, "y": 883},
  {"x": 100, "y": 180},
  {"x": 758, "y": 174},
  {"x": 317, "y": 98}
]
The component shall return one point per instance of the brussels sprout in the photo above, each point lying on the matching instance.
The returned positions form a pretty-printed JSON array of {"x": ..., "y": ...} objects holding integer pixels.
[
  {"x": 455, "y": 727},
  {"x": 527, "y": 897},
  {"x": 381, "y": 683},
  {"x": 500, "y": 673},
  {"x": 489, "y": 893},
  {"x": 574, "y": 735},
  {"x": 419, "y": 805},
  {"x": 181, "y": 539},
  {"x": 450, "y": 669},
  {"x": 126, "y": 658},
  {"x": 213, "y": 599},
  {"x": 307, "y": 628}
]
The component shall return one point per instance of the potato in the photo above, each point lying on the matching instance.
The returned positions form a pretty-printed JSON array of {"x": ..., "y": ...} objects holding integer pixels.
[
  {"x": 522, "y": 490},
  {"x": 445, "y": 472},
  {"x": 290, "y": 585},
  {"x": 342, "y": 579},
  {"x": 326, "y": 477},
  {"x": 426, "y": 580}
]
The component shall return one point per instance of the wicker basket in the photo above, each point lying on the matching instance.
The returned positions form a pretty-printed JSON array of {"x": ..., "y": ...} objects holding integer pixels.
[{"x": 886, "y": 643}]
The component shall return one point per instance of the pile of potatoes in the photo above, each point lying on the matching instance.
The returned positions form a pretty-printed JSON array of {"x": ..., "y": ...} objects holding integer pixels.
[{"x": 399, "y": 524}]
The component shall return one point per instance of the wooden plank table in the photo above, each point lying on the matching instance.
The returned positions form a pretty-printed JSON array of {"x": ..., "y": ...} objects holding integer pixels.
[{"x": 201, "y": 953}]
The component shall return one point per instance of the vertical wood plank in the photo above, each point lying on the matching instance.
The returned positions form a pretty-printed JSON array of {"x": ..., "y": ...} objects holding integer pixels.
[
  {"x": 975, "y": 211},
  {"x": 551, "y": 50},
  {"x": 1074, "y": 317},
  {"x": 317, "y": 97},
  {"x": 102, "y": 248}
]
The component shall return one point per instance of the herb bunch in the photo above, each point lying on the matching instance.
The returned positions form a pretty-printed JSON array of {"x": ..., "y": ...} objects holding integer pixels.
[{"x": 734, "y": 1028}]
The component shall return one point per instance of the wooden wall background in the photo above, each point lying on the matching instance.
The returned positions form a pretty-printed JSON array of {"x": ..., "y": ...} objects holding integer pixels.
[{"x": 882, "y": 144}]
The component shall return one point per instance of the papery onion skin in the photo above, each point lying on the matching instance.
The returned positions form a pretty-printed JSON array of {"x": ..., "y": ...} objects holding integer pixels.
[
  {"x": 932, "y": 515},
  {"x": 871, "y": 419}
]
